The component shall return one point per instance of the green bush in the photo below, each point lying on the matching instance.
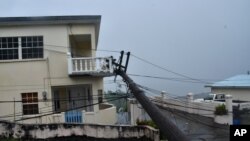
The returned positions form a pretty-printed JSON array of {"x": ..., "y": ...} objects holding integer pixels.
[
  {"x": 146, "y": 122},
  {"x": 221, "y": 110}
]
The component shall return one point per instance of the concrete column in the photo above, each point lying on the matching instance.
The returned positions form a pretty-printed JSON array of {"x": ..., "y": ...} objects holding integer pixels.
[
  {"x": 70, "y": 66},
  {"x": 163, "y": 94},
  {"x": 132, "y": 109},
  {"x": 229, "y": 103},
  {"x": 229, "y": 107},
  {"x": 83, "y": 116},
  {"x": 190, "y": 98},
  {"x": 63, "y": 117}
]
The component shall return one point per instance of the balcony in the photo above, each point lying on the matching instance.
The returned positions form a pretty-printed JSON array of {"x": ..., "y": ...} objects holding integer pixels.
[{"x": 90, "y": 66}]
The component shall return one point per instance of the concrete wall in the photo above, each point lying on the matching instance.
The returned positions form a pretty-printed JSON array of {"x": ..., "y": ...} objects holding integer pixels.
[
  {"x": 105, "y": 116},
  {"x": 38, "y": 75},
  {"x": 50, "y": 131},
  {"x": 205, "y": 109},
  {"x": 237, "y": 94},
  {"x": 136, "y": 111},
  {"x": 188, "y": 106}
]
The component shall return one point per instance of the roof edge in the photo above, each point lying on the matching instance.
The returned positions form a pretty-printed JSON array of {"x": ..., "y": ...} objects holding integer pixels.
[{"x": 36, "y": 20}]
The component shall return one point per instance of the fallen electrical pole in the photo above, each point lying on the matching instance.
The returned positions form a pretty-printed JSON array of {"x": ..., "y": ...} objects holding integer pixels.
[{"x": 166, "y": 126}]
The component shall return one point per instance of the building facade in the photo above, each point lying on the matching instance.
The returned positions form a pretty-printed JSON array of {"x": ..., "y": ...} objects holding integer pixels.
[
  {"x": 238, "y": 86},
  {"x": 49, "y": 70}
]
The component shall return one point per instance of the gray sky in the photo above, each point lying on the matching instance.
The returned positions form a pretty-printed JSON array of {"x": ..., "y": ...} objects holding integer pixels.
[{"x": 205, "y": 39}]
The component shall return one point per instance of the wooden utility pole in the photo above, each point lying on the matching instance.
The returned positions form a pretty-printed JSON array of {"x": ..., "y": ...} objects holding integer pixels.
[{"x": 166, "y": 126}]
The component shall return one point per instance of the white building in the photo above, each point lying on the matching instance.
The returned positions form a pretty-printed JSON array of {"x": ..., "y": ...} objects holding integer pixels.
[
  {"x": 48, "y": 65},
  {"x": 238, "y": 86}
]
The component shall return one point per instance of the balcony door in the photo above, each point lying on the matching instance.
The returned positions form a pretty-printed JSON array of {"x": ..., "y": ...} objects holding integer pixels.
[{"x": 77, "y": 97}]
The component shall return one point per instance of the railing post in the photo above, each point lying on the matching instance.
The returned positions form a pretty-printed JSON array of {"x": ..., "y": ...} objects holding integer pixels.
[
  {"x": 76, "y": 65},
  {"x": 81, "y": 68},
  {"x": 70, "y": 66},
  {"x": 86, "y": 64}
]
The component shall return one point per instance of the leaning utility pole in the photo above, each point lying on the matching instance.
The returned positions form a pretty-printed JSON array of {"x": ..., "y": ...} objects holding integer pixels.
[{"x": 166, "y": 126}]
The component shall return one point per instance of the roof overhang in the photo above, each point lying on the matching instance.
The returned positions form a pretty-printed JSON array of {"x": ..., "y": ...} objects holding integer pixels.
[
  {"x": 53, "y": 20},
  {"x": 229, "y": 87}
]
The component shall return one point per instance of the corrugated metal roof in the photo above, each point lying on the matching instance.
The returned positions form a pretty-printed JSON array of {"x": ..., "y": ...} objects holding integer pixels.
[{"x": 239, "y": 81}]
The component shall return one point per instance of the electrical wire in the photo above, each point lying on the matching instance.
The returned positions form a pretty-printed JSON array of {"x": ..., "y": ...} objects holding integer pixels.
[
  {"x": 40, "y": 109},
  {"x": 169, "y": 78},
  {"x": 76, "y": 108},
  {"x": 167, "y": 70},
  {"x": 186, "y": 116},
  {"x": 176, "y": 98},
  {"x": 173, "y": 97}
]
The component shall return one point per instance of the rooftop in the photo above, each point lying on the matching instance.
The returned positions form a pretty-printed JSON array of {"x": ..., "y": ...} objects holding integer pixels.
[
  {"x": 88, "y": 19},
  {"x": 53, "y": 20},
  {"x": 238, "y": 81}
]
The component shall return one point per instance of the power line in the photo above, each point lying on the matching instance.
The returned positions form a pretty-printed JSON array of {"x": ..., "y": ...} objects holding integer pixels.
[
  {"x": 170, "y": 71},
  {"x": 40, "y": 109},
  {"x": 61, "y": 46},
  {"x": 76, "y": 108},
  {"x": 168, "y": 78},
  {"x": 58, "y": 99},
  {"x": 169, "y": 95},
  {"x": 186, "y": 116}
]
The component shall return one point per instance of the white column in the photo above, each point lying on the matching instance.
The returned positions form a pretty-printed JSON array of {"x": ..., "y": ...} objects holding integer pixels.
[
  {"x": 70, "y": 66},
  {"x": 110, "y": 65},
  {"x": 229, "y": 107},
  {"x": 190, "y": 98},
  {"x": 229, "y": 103},
  {"x": 63, "y": 117},
  {"x": 163, "y": 93}
]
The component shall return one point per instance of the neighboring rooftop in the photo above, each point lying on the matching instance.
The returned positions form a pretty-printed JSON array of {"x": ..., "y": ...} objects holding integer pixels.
[{"x": 238, "y": 81}]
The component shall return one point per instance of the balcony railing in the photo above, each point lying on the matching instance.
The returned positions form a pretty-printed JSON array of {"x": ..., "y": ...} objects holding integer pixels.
[{"x": 101, "y": 66}]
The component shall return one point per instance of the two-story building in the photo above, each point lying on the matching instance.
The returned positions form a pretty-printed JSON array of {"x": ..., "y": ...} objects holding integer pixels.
[{"x": 49, "y": 71}]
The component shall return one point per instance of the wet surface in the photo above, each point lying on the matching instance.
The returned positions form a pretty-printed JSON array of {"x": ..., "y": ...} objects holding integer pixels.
[{"x": 198, "y": 128}]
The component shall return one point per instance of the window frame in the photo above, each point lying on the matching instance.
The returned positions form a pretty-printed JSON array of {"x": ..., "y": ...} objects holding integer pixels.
[
  {"x": 34, "y": 46},
  {"x": 30, "y": 100}
]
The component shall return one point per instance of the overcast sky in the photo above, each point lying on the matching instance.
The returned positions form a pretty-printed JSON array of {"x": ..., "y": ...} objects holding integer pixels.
[{"x": 204, "y": 39}]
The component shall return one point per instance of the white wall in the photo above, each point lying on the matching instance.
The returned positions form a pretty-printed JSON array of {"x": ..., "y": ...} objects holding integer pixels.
[
  {"x": 38, "y": 75},
  {"x": 237, "y": 94}
]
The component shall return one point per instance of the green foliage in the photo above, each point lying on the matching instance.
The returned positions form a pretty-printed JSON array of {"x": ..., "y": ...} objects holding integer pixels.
[
  {"x": 220, "y": 110},
  {"x": 146, "y": 122},
  {"x": 152, "y": 124},
  {"x": 120, "y": 103}
]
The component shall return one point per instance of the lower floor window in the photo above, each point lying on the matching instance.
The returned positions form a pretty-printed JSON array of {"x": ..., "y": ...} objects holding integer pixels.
[{"x": 30, "y": 103}]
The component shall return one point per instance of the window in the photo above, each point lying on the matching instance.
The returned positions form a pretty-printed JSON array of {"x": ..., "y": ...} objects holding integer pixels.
[
  {"x": 30, "y": 103},
  {"x": 8, "y": 48},
  {"x": 26, "y": 47},
  {"x": 32, "y": 47}
]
